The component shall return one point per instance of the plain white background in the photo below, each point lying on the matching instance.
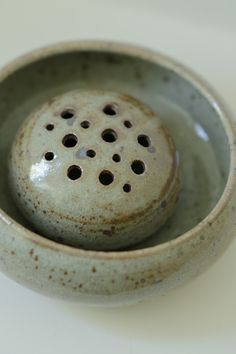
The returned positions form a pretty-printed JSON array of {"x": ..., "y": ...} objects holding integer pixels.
[{"x": 197, "y": 318}]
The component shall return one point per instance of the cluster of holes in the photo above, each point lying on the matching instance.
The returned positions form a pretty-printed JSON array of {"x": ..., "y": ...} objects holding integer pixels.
[{"x": 106, "y": 177}]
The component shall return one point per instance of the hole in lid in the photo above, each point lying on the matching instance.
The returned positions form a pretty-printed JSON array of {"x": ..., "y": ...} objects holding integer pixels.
[
  {"x": 109, "y": 135},
  {"x": 91, "y": 153},
  {"x": 144, "y": 140},
  {"x": 128, "y": 124},
  {"x": 67, "y": 114},
  {"x": 127, "y": 188},
  {"x": 106, "y": 177},
  {"x": 70, "y": 140},
  {"x": 116, "y": 158},
  {"x": 138, "y": 167},
  {"x": 85, "y": 124},
  {"x": 49, "y": 156},
  {"x": 110, "y": 110},
  {"x": 50, "y": 126},
  {"x": 74, "y": 172}
]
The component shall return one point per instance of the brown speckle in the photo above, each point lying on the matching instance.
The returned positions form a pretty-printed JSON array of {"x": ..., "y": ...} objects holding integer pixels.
[
  {"x": 36, "y": 258},
  {"x": 13, "y": 253},
  {"x": 21, "y": 136},
  {"x": 94, "y": 270},
  {"x": 50, "y": 277},
  {"x": 151, "y": 276},
  {"x": 65, "y": 272},
  {"x": 80, "y": 285},
  {"x": 31, "y": 252},
  {"x": 109, "y": 232},
  {"x": 36, "y": 267}
]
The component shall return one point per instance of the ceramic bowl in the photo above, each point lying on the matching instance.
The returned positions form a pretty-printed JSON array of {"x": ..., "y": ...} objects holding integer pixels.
[{"x": 202, "y": 225}]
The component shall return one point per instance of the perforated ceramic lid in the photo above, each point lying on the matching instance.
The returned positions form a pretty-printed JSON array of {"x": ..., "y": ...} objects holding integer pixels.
[{"x": 94, "y": 169}]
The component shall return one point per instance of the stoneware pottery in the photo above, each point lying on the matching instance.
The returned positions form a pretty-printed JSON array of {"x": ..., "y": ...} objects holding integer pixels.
[
  {"x": 91, "y": 180},
  {"x": 118, "y": 173}
]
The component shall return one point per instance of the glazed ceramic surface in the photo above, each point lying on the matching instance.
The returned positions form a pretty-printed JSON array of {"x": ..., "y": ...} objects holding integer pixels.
[
  {"x": 203, "y": 223},
  {"x": 94, "y": 169}
]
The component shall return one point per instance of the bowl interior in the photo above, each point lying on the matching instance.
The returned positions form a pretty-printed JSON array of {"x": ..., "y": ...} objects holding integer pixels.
[{"x": 193, "y": 121}]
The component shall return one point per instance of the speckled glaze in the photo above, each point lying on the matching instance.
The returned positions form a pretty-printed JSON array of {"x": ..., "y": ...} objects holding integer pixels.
[
  {"x": 141, "y": 187},
  {"x": 202, "y": 225}
]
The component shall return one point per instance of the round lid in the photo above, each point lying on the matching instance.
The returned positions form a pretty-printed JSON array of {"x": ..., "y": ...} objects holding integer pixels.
[{"x": 94, "y": 169}]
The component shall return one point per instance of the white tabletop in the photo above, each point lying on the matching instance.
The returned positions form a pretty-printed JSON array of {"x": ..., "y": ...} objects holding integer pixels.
[{"x": 199, "y": 317}]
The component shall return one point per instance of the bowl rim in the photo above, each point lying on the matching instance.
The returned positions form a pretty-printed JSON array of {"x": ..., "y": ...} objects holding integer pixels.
[{"x": 155, "y": 58}]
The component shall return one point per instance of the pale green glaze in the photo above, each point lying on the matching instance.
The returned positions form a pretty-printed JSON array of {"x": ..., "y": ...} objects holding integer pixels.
[
  {"x": 204, "y": 137},
  {"x": 83, "y": 212}
]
